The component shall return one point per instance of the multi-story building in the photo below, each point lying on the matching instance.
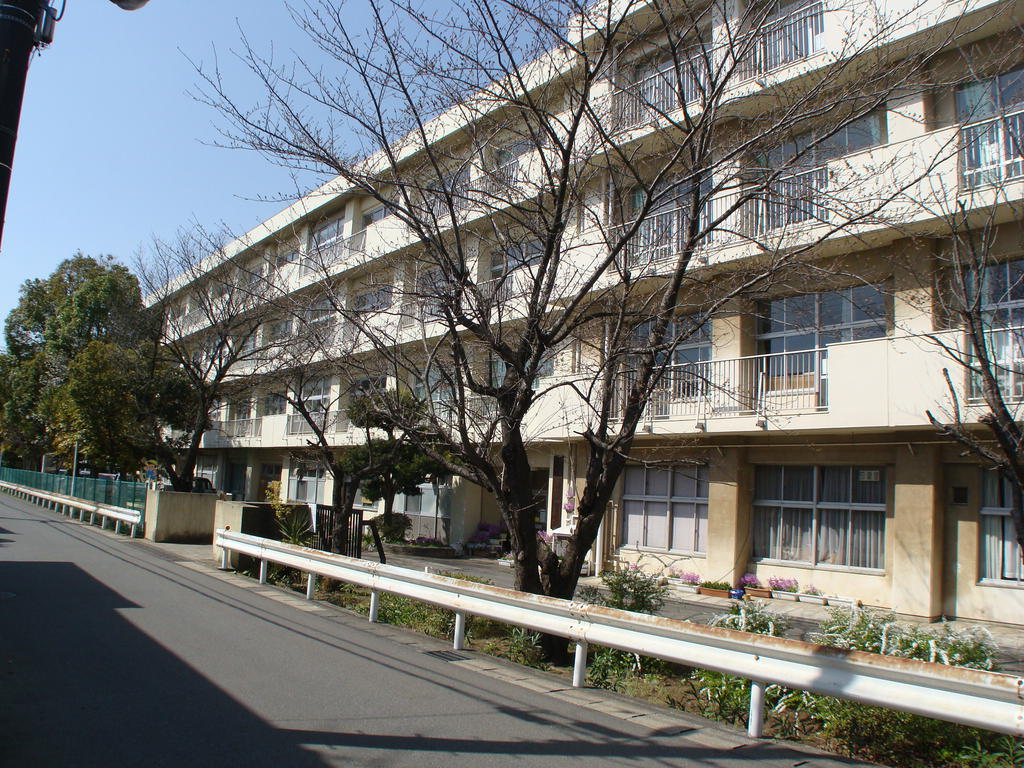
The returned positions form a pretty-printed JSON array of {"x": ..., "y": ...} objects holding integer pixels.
[{"x": 789, "y": 435}]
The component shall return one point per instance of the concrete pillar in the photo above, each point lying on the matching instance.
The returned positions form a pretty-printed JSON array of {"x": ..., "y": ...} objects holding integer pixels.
[
  {"x": 916, "y": 537},
  {"x": 728, "y": 516}
]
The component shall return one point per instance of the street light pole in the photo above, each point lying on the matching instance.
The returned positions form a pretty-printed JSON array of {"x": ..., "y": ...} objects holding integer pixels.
[{"x": 24, "y": 26}]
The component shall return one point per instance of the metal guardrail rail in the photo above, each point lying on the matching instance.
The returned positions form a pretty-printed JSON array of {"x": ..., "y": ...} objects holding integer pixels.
[
  {"x": 988, "y": 700},
  {"x": 68, "y": 505}
]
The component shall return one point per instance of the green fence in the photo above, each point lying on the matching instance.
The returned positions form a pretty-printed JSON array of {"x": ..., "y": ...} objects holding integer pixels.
[{"x": 116, "y": 493}]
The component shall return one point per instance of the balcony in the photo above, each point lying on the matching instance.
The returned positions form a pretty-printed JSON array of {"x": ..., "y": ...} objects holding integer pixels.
[
  {"x": 499, "y": 182},
  {"x": 1006, "y": 350},
  {"x": 657, "y": 94},
  {"x": 788, "y": 382},
  {"x": 991, "y": 150},
  {"x": 329, "y": 421},
  {"x": 788, "y": 200},
  {"x": 239, "y": 428},
  {"x": 784, "y": 40},
  {"x": 321, "y": 257}
]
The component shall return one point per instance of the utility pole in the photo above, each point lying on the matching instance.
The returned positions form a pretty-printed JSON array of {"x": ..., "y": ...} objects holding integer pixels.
[{"x": 24, "y": 26}]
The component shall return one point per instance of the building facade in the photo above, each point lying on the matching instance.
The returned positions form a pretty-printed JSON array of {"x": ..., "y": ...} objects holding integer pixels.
[{"x": 789, "y": 435}]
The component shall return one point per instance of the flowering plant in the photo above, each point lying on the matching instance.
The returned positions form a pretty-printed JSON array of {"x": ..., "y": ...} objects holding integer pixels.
[
  {"x": 689, "y": 577},
  {"x": 427, "y": 541},
  {"x": 485, "y": 532},
  {"x": 750, "y": 580},
  {"x": 783, "y": 584},
  {"x": 812, "y": 590}
]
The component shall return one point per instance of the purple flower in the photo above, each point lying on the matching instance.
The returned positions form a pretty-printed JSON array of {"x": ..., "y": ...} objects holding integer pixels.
[
  {"x": 783, "y": 584},
  {"x": 750, "y": 580},
  {"x": 688, "y": 577}
]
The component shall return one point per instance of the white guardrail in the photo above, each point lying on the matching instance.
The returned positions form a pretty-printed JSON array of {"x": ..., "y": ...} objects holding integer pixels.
[
  {"x": 988, "y": 700},
  {"x": 68, "y": 505}
]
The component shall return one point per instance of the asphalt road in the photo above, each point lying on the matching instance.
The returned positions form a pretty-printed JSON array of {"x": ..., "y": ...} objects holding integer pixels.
[{"x": 114, "y": 655}]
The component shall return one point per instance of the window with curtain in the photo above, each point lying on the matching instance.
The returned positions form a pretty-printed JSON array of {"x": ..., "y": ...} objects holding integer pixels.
[
  {"x": 820, "y": 515},
  {"x": 665, "y": 508},
  {"x": 306, "y": 483},
  {"x": 1000, "y": 552}
]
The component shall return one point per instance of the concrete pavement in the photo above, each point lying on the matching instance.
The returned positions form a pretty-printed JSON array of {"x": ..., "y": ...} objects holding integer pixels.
[{"x": 118, "y": 653}]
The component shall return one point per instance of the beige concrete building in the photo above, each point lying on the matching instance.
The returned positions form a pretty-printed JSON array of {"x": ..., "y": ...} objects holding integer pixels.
[{"x": 790, "y": 437}]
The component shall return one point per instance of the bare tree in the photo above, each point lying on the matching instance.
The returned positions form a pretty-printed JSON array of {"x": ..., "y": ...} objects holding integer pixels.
[
  {"x": 577, "y": 185},
  {"x": 212, "y": 311}
]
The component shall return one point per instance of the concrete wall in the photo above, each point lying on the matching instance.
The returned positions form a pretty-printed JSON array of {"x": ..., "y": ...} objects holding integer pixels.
[{"x": 179, "y": 517}]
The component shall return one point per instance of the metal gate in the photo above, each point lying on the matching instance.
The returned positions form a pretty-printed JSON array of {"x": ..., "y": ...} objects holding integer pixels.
[{"x": 323, "y": 532}]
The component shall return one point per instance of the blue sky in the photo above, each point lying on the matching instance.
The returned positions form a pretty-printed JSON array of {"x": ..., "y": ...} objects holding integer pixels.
[{"x": 113, "y": 150}]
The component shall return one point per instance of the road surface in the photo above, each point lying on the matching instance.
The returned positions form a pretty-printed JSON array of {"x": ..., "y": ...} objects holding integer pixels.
[{"x": 116, "y": 655}]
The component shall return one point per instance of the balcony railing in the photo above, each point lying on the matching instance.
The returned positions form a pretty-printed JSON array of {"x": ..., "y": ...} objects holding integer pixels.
[
  {"x": 788, "y": 200},
  {"x": 328, "y": 421},
  {"x": 236, "y": 428},
  {"x": 786, "y": 382},
  {"x": 785, "y": 39},
  {"x": 322, "y": 256},
  {"x": 659, "y": 93},
  {"x": 499, "y": 182},
  {"x": 992, "y": 150}
]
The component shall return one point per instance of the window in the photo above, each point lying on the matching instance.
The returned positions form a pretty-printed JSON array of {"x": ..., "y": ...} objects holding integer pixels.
[
  {"x": 320, "y": 311},
  {"x": 1000, "y": 552},
  {"x": 820, "y": 515},
  {"x": 665, "y": 508},
  {"x": 278, "y": 330},
  {"x": 286, "y": 256},
  {"x": 374, "y": 215},
  {"x": 324, "y": 245},
  {"x": 815, "y": 320},
  {"x": 516, "y": 257},
  {"x": 273, "y": 405},
  {"x": 315, "y": 395},
  {"x": 992, "y": 111},
  {"x": 373, "y": 300},
  {"x": 1002, "y": 302},
  {"x": 306, "y": 483}
]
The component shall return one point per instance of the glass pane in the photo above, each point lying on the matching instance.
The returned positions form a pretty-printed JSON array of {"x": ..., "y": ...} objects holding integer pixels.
[
  {"x": 657, "y": 524},
  {"x": 867, "y": 539},
  {"x": 684, "y": 483},
  {"x": 683, "y": 526},
  {"x": 795, "y": 536},
  {"x": 868, "y": 485},
  {"x": 835, "y": 484},
  {"x": 633, "y": 523},
  {"x": 833, "y": 525},
  {"x": 701, "y": 537},
  {"x": 800, "y": 311},
  {"x": 993, "y": 491},
  {"x": 657, "y": 482},
  {"x": 1011, "y": 89},
  {"x": 991, "y": 546},
  {"x": 634, "y": 482},
  {"x": 798, "y": 483},
  {"x": 834, "y": 308},
  {"x": 766, "y": 530},
  {"x": 768, "y": 483},
  {"x": 975, "y": 101}
]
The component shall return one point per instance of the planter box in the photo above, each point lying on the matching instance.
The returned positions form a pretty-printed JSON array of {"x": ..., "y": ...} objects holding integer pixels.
[
  {"x": 442, "y": 553},
  {"x": 504, "y": 563},
  {"x": 784, "y": 595},
  {"x": 713, "y": 592},
  {"x": 758, "y": 592},
  {"x": 682, "y": 586},
  {"x": 816, "y": 599}
]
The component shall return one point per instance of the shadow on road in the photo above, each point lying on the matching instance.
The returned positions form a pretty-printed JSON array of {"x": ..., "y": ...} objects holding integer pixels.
[{"x": 81, "y": 686}]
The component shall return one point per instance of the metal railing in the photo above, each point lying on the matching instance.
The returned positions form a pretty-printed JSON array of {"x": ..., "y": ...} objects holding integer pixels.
[
  {"x": 69, "y": 505},
  {"x": 786, "y": 382},
  {"x": 500, "y": 181},
  {"x": 977, "y": 698},
  {"x": 784, "y": 40},
  {"x": 328, "y": 421},
  {"x": 104, "y": 490},
  {"x": 659, "y": 93},
  {"x": 322, "y": 256},
  {"x": 790, "y": 199},
  {"x": 992, "y": 150},
  {"x": 236, "y": 428}
]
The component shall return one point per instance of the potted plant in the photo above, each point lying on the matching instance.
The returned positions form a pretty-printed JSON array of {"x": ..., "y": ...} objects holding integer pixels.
[
  {"x": 783, "y": 588},
  {"x": 715, "y": 588},
  {"x": 753, "y": 586},
  {"x": 812, "y": 595},
  {"x": 684, "y": 581}
]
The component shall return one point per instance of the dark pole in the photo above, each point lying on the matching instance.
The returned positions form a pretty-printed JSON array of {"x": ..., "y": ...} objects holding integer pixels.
[{"x": 18, "y": 22}]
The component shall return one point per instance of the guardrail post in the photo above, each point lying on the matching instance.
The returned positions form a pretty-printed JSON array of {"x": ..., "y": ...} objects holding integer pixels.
[
  {"x": 374, "y": 605},
  {"x": 117, "y": 526},
  {"x": 263, "y": 570},
  {"x": 755, "y": 717},
  {"x": 459, "y": 642},
  {"x": 92, "y": 517},
  {"x": 310, "y": 585},
  {"x": 135, "y": 528},
  {"x": 579, "y": 667},
  {"x": 225, "y": 559}
]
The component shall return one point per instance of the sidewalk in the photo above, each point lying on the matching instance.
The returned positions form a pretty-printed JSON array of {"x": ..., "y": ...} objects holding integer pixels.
[{"x": 803, "y": 618}]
